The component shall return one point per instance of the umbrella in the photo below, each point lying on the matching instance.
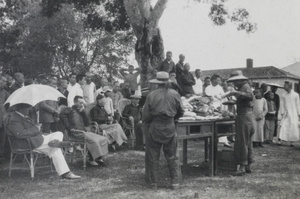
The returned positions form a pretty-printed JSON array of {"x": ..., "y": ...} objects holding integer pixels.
[
  {"x": 274, "y": 84},
  {"x": 33, "y": 94}
]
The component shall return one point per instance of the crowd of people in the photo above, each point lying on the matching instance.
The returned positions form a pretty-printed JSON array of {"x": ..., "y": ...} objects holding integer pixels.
[{"x": 257, "y": 112}]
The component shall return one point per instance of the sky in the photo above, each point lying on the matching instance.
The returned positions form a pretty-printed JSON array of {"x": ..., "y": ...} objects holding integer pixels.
[{"x": 187, "y": 29}]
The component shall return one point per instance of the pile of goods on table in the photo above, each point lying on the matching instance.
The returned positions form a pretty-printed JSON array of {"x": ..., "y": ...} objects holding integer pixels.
[{"x": 198, "y": 107}]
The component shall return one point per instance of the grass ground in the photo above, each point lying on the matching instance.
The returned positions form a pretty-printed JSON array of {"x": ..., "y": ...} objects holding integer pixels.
[{"x": 276, "y": 175}]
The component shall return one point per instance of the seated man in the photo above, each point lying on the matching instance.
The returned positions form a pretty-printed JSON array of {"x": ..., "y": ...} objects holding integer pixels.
[
  {"x": 134, "y": 112},
  {"x": 19, "y": 125},
  {"x": 114, "y": 132},
  {"x": 75, "y": 118}
]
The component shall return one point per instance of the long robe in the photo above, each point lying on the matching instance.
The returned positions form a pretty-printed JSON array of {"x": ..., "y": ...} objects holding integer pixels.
[
  {"x": 260, "y": 109},
  {"x": 243, "y": 150},
  {"x": 289, "y": 123}
]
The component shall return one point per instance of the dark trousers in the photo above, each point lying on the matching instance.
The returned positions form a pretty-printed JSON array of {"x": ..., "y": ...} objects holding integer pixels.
[
  {"x": 152, "y": 159},
  {"x": 49, "y": 126},
  {"x": 2, "y": 142},
  {"x": 140, "y": 138}
]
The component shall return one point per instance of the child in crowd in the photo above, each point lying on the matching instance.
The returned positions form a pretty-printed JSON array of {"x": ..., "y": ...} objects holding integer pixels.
[
  {"x": 260, "y": 109},
  {"x": 270, "y": 118}
]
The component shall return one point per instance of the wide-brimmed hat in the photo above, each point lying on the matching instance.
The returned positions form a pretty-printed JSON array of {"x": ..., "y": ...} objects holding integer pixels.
[
  {"x": 135, "y": 97},
  {"x": 106, "y": 89},
  {"x": 236, "y": 75},
  {"x": 161, "y": 78},
  {"x": 274, "y": 84}
]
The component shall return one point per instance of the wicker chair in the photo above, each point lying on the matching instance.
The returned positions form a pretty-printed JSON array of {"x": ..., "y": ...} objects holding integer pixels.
[
  {"x": 128, "y": 125},
  {"x": 22, "y": 146}
]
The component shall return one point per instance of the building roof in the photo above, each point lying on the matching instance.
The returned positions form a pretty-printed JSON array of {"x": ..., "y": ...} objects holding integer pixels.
[
  {"x": 293, "y": 68},
  {"x": 266, "y": 72}
]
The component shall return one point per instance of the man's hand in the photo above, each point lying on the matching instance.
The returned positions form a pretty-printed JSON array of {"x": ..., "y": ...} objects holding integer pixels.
[
  {"x": 258, "y": 118},
  {"x": 130, "y": 118},
  {"x": 140, "y": 122}
]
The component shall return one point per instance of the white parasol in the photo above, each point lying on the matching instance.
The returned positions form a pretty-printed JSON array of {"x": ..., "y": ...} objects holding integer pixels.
[{"x": 33, "y": 94}]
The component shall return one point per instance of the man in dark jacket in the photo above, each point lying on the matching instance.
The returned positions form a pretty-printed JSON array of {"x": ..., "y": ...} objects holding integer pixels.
[
  {"x": 186, "y": 80},
  {"x": 161, "y": 108},
  {"x": 134, "y": 113},
  {"x": 19, "y": 125},
  {"x": 75, "y": 118},
  {"x": 167, "y": 65},
  {"x": 19, "y": 81}
]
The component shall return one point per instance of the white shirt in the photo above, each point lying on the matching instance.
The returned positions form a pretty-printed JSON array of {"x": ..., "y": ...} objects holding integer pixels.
[
  {"x": 89, "y": 92},
  {"x": 73, "y": 91},
  {"x": 216, "y": 92},
  {"x": 198, "y": 86}
]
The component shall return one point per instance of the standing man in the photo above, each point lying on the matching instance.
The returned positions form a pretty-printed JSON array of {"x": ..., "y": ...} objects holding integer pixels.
[
  {"x": 186, "y": 81},
  {"x": 289, "y": 130},
  {"x": 243, "y": 149},
  {"x": 167, "y": 65},
  {"x": 74, "y": 88},
  {"x": 131, "y": 77},
  {"x": 89, "y": 89},
  {"x": 206, "y": 84},
  {"x": 198, "y": 83},
  {"x": 276, "y": 99},
  {"x": 179, "y": 70},
  {"x": 49, "y": 111},
  {"x": 161, "y": 108},
  {"x": 3, "y": 97},
  {"x": 62, "y": 87},
  {"x": 19, "y": 82}
]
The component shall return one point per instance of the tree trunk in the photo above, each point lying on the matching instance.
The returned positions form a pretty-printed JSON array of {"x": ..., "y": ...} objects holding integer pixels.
[{"x": 149, "y": 48}]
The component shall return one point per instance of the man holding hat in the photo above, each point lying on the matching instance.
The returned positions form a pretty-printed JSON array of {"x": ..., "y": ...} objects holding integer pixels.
[
  {"x": 133, "y": 111},
  {"x": 243, "y": 150},
  {"x": 162, "y": 107}
]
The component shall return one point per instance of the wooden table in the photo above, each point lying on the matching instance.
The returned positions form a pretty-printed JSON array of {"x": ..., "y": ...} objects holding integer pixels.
[{"x": 212, "y": 133}]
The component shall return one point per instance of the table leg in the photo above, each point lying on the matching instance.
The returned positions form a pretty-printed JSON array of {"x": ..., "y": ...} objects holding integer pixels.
[
  {"x": 206, "y": 149},
  {"x": 215, "y": 147},
  {"x": 184, "y": 151},
  {"x": 211, "y": 144}
]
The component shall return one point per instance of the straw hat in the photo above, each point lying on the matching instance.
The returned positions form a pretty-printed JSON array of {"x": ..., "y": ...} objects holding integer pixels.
[
  {"x": 274, "y": 84},
  {"x": 106, "y": 89},
  {"x": 161, "y": 78},
  {"x": 236, "y": 75},
  {"x": 135, "y": 97}
]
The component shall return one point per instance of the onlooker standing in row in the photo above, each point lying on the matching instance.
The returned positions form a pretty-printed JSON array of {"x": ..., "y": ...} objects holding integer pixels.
[
  {"x": 49, "y": 111},
  {"x": 206, "y": 84},
  {"x": 270, "y": 118},
  {"x": 289, "y": 131},
  {"x": 186, "y": 80},
  {"x": 167, "y": 65},
  {"x": 19, "y": 82},
  {"x": 131, "y": 77},
  {"x": 3, "y": 97},
  {"x": 198, "y": 87},
  {"x": 277, "y": 104},
  {"x": 89, "y": 89},
  {"x": 260, "y": 109},
  {"x": 74, "y": 89},
  {"x": 62, "y": 87}
]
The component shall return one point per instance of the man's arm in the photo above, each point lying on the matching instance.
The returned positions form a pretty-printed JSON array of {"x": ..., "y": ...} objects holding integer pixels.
[
  {"x": 180, "y": 110},
  {"x": 122, "y": 71},
  {"x": 86, "y": 120},
  {"x": 126, "y": 111},
  {"x": 64, "y": 117},
  {"x": 146, "y": 111},
  {"x": 20, "y": 131},
  {"x": 97, "y": 117},
  {"x": 47, "y": 108}
]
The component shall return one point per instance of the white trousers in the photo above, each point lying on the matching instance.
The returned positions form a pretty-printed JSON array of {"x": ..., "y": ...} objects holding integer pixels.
[{"x": 54, "y": 153}]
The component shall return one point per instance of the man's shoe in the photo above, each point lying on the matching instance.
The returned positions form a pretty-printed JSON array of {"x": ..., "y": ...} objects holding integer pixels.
[
  {"x": 175, "y": 186},
  {"x": 93, "y": 163},
  {"x": 79, "y": 148},
  {"x": 238, "y": 173},
  {"x": 59, "y": 144},
  {"x": 70, "y": 176},
  {"x": 154, "y": 186},
  {"x": 227, "y": 145}
]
